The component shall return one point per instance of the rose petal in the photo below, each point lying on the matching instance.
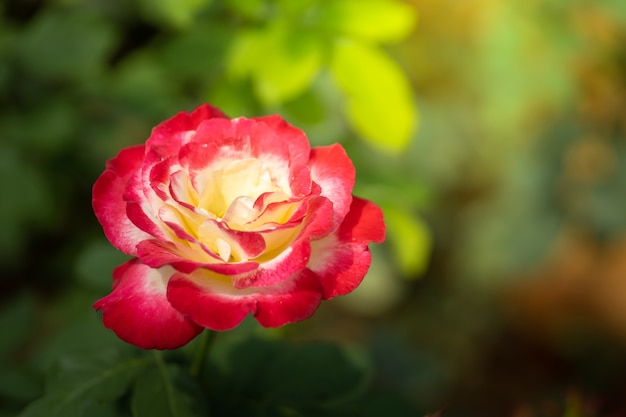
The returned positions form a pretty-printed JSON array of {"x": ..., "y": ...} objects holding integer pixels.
[
  {"x": 293, "y": 300},
  {"x": 182, "y": 191},
  {"x": 245, "y": 245},
  {"x": 290, "y": 260},
  {"x": 332, "y": 169},
  {"x": 142, "y": 206},
  {"x": 229, "y": 218},
  {"x": 159, "y": 177},
  {"x": 275, "y": 142},
  {"x": 364, "y": 222},
  {"x": 342, "y": 259},
  {"x": 157, "y": 253},
  {"x": 138, "y": 311},
  {"x": 110, "y": 207},
  {"x": 277, "y": 139},
  {"x": 170, "y": 135},
  {"x": 212, "y": 301}
]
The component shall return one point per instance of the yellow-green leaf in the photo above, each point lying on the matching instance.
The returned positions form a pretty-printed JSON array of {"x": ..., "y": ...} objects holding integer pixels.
[
  {"x": 281, "y": 60},
  {"x": 379, "y": 97},
  {"x": 373, "y": 20},
  {"x": 178, "y": 14},
  {"x": 411, "y": 240},
  {"x": 244, "y": 53},
  {"x": 249, "y": 8}
]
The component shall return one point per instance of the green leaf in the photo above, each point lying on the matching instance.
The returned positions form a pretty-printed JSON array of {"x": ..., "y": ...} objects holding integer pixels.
[
  {"x": 47, "y": 128},
  {"x": 305, "y": 109},
  {"x": 196, "y": 54},
  {"x": 253, "y": 9},
  {"x": 371, "y": 20},
  {"x": 81, "y": 330},
  {"x": 16, "y": 321},
  {"x": 295, "y": 9},
  {"x": 95, "y": 264},
  {"x": 244, "y": 52},
  {"x": 167, "y": 390},
  {"x": 19, "y": 383},
  {"x": 281, "y": 60},
  {"x": 380, "y": 103},
  {"x": 19, "y": 177},
  {"x": 7, "y": 43},
  {"x": 313, "y": 374},
  {"x": 142, "y": 85},
  {"x": 316, "y": 374},
  {"x": 87, "y": 384},
  {"x": 411, "y": 240},
  {"x": 177, "y": 14},
  {"x": 66, "y": 45},
  {"x": 235, "y": 98}
]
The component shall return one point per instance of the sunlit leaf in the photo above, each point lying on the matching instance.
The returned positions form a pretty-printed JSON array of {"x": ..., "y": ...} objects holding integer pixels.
[
  {"x": 372, "y": 20},
  {"x": 244, "y": 52},
  {"x": 295, "y": 9},
  {"x": 233, "y": 97},
  {"x": 249, "y": 8},
  {"x": 293, "y": 60},
  {"x": 379, "y": 292},
  {"x": 411, "y": 240},
  {"x": 379, "y": 99},
  {"x": 282, "y": 61},
  {"x": 178, "y": 14},
  {"x": 306, "y": 108}
]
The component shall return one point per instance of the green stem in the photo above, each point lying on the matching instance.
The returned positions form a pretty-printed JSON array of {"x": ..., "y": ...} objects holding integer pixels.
[
  {"x": 167, "y": 382},
  {"x": 206, "y": 340}
]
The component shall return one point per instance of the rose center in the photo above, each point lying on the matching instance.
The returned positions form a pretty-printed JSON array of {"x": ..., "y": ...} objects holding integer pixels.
[{"x": 233, "y": 187}]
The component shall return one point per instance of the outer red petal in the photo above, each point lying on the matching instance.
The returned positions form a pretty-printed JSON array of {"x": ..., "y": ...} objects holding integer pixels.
[
  {"x": 170, "y": 135},
  {"x": 211, "y": 140},
  {"x": 212, "y": 302},
  {"x": 272, "y": 139},
  {"x": 332, "y": 169},
  {"x": 342, "y": 259},
  {"x": 363, "y": 223},
  {"x": 216, "y": 305},
  {"x": 109, "y": 205},
  {"x": 274, "y": 136},
  {"x": 295, "y": 300},
  {"x": 138, "y": 311}
]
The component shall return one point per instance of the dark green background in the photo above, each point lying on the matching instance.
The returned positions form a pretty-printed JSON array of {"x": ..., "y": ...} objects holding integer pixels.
[{"x": 501, "y": 288}]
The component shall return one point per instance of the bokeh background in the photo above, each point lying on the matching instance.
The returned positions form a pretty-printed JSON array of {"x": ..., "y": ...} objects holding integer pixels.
[{"x": 492, "y": 133}]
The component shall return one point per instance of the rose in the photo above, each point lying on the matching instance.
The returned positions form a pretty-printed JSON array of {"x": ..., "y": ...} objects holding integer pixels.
[{"x": 225, "y": 218}]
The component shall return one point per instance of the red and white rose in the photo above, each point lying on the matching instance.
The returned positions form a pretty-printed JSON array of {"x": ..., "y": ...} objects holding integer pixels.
[{"x": 225, "y": 218}]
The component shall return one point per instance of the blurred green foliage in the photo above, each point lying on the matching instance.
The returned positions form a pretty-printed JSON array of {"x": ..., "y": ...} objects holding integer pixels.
[
  {"x": 505, "y": 194},
  {"x": 84, "y": 79}
]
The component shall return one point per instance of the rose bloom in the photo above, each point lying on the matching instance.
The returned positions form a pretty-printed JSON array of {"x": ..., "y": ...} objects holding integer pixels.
[{"x": 225, "y": 218}]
